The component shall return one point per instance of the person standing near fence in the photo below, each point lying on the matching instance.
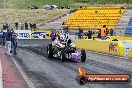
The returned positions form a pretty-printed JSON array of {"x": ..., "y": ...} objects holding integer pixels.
[
  {"x": 16, "y": 25},
  {"x": 22, "y": 26},
  {"x": 1, "y": 37},
  {"x": 31, "y": 26},
  {"x": 99, "y": 34},
  {"x": 14, "y": 41},
  {"x": 111, "y": 32},
  {"x": 89, "y": 34},
  {"x": 103, "y": 32},
  {"x": 8, "y": 37},
  {"x": 34, "y": 26},
  {"x": 53, "y": 36},
  {"x": 26, "y": 26}
]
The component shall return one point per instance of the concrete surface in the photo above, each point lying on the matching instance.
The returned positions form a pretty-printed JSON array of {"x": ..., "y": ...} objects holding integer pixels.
[
  {"x": 1, "y": 81},
  {"x": 11, "y": 77}
]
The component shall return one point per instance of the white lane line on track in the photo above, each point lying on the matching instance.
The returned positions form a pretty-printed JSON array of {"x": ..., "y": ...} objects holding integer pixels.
[
  {"x": 28, "y": 81},
  {"x": 1, "y": 81}
]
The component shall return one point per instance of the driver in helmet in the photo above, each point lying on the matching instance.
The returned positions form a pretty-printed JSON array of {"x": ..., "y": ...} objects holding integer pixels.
[
  {"x": 62, "y": 38},
  {"x": 57, "y": 45},
  {"x": 70, "y": 47}
]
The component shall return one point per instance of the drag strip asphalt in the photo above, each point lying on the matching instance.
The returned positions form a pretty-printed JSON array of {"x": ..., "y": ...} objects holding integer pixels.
[{"x": 52, "y": 73}]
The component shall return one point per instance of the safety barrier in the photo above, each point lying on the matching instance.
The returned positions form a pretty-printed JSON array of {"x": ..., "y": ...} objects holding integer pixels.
[
  {"x": 120, "y": 37},
  {"x": 23, "y": 34},
  {"x": 103, "y": 46},
  {"x": 28, "y": 34},
  {"x": 130, "y": 54}
]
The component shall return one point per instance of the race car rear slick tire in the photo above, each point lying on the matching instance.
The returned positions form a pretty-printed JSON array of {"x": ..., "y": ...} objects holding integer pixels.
[
  {"x": 81, "y": 80},
  {"x": 62, "y": 57},
  {"x": 83, "y": 55},
  {"x": 50, "y": 51}
]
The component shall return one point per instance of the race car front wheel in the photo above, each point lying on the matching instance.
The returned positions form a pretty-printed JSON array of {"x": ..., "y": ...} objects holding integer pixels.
[
  {"x": 50, "y": 51},
  {"x": 83, "y": 55},
  {"x": 62, "y": 56},
  {"x": 81, "y": 80}
]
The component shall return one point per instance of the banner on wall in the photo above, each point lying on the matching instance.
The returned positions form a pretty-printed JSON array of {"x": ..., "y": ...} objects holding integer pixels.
[
  {"x": 23, "y": 34},
  {"x": 40, "y": 34},
  {"x": 28, "y": 34}
]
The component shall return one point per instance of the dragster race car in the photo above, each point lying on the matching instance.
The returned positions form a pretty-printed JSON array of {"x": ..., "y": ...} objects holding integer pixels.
[{"x": 65, "y": 51}]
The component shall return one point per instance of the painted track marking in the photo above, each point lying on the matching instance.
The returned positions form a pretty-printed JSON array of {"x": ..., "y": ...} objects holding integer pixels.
[{"x": 28, "y": 81}]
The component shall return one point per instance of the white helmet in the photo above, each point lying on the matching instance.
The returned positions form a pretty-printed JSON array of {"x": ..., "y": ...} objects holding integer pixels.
[
  {"x": 72, "y": 45},
  {"x": 62, "y": 37}
]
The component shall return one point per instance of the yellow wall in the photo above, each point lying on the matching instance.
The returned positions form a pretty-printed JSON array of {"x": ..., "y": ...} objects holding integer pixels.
[
  {"x": 121, "y": 37},
  {"x": 100, "y": 46},
  {"x": 130, "y": 53}
]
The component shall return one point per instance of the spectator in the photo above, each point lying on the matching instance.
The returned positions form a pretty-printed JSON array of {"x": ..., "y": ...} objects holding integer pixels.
[
  {"x": 103, "y": 32},
  {"x": 62, "y": 7},
  {"x": 14, "y": 41},
  {"x": 111, "y": 32},
  {"x": 53, "y": 36},
  {"x": 79, "y": 35},
  {"x": 34, "y": 26},
  {"x": 4, "y": 27},
  {"x": 80, "y": 30},
  {"x": 1, "y": 37},
  {"x": 8, "y": 37},
  {"x": 16, "y": 25},
  {"x": 89, "y": 34},
  {"x": 99, "y": 34},
  {"x": 107, "y": 31},
  {"x": 26, "y": 26},
  {"x": 22, "y": 26},
  {"x": 82, "y": 35},
  {"x": 52, "y": 7},
  {"x": 80, "y": 6},
  {"x": 96, "y": 11},
  {"x": 31, "y": 26},
  {"x": 93, "y": 31},
  {"x": 67, "y": 7}
]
